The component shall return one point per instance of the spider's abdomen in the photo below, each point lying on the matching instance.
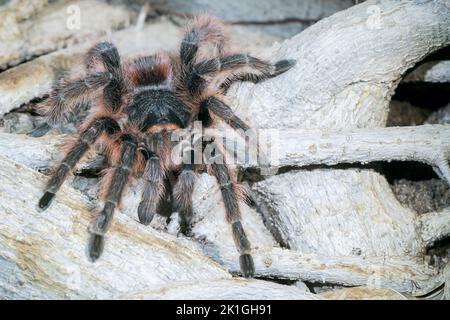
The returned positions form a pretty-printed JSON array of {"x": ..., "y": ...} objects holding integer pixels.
[{"x": 158, "y": 107}]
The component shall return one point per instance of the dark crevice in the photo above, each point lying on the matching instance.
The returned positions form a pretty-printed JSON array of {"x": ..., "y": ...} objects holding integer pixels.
[
  {"x": 27, "y": 59},
  {"x": 321, "y": 287},
  {"x": 409, "y": 170},
  {"x": 285, "y": 281},
  {"x": 89, "y": 173},
  {"x": 160, "y": 11},
  {"x": 253, "y": 175},
  {"x": 29, "y": 107},
  {"x": 413, "y": 101},
  {"x": 439, "y": 252},
  {"x": 392, "y": 170},
  {"x": 432, "y": 293},
  {"x": 427, "y": 95},
  {"x": 439, "y": 55},
  {"x": 416, "y": 102},
  {"x": 414, "y": 184}
]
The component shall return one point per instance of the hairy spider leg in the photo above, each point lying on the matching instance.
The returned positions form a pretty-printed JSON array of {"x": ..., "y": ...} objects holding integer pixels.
[
  {"x": 184, "y": 189},
  {"x": 85, "y": 140},
  {"x": 67, "y": 94},
  {"x": 203, "y": 29},
  {"x": 280, "y": 67},
  {"x": 196, "y": 82},
  {"x": 119, "y": 179},
  {"x": 153, "y": 176},
  {"x": 229, "y": 193},
  {"x": 107, "y": 54},
  {"x": 216, "y": 107}
]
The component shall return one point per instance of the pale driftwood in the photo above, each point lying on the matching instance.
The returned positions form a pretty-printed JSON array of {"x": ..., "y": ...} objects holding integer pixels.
[
  {"x": 402, "y": 274},
  {"x": 32, "y": 268},
  {"x": 43, "y": 254},
  {"x": 25, "y": 34},
  {"x": 42, "y": 153},
  {"x": 386, "y": 229},
  {"x": 435, "y": 225},
  {"x": 347, "y": 70},
  {"x": 363, "y": 293},
  {"x": 28, "y": 233},
  {"x": 348, "y": 66},
  {"x": 302, "y": 147},
  {"x": 394, "y": 272},
  {"x": 428, "y": 143},
  {"x": 300, "y": 14},
  {"x": 37, "y": 154},
  {"x": 446, "y": 275},
  {"x": 225, "y": 290}
]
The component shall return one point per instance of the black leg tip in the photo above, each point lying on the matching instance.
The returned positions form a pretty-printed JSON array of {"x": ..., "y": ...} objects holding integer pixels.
[
  {"x": 96, "y": 245},
  {"x": 46, "y": 200},
  {"x": 145, "y": 215},
  {"x": 185, "y": 222},
  {"x": 185, "y": 228},
  {"x": 283, "y": 66},
  {"x": 40, "y": 130},
  {"x": 247, "y": 265}
]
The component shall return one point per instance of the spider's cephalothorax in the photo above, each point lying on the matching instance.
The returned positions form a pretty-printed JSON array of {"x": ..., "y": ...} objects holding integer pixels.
[{"x": 136, "y": 105}]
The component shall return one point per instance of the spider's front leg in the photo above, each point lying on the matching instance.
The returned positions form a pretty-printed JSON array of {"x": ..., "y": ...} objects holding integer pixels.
[
  {"x": 184, "y": 189},
  {"x": 153, "y": 188},
  {"x": 85, "y": 140},
  {"x": 278, "y": 68},
  {"x": 261, "y": 70},
  {"x": 155, "y": 172},
  {"x": 115, "y": 187},
  {"x": 216, "y": 107}
]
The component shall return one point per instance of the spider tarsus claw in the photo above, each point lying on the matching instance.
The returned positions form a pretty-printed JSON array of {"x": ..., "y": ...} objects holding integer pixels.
[
  {"x": 40, "y": 130},
  {"x": 145, "y": 216},
  {"x": 247, "y": 265},
  {"x": 46, "y": 200},
  {"x": 283, "y": 66},
  {"x": 96, "y": 245}
]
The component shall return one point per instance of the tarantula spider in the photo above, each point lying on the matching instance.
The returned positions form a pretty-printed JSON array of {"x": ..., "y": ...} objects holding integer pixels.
[{"x": 136, "y": 105}]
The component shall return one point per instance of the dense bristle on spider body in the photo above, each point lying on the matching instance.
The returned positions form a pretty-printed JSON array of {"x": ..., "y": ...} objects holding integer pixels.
[
  {"x": 153, "y": 70},
  {"x": 134, "y": 106}
]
